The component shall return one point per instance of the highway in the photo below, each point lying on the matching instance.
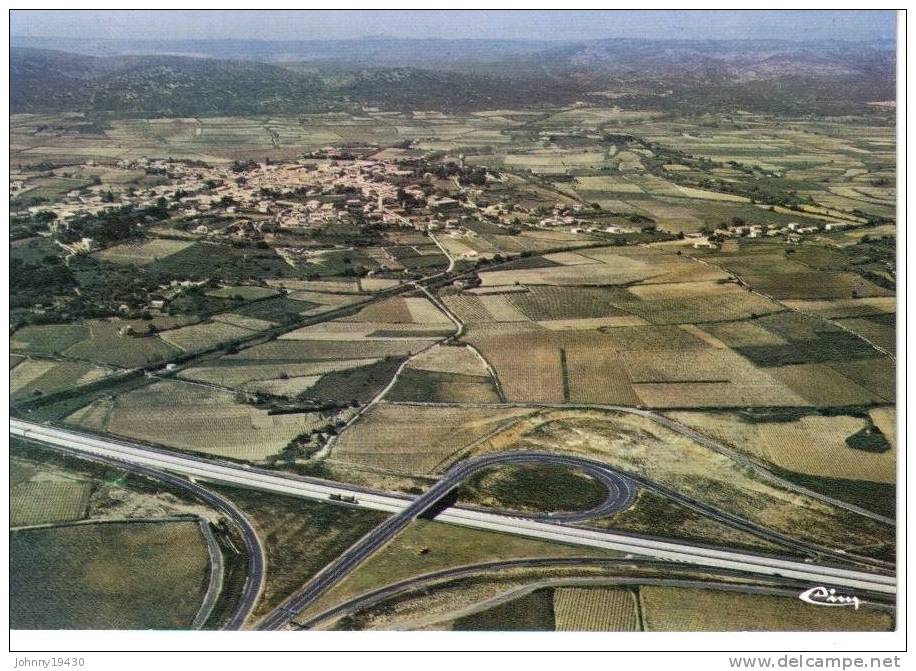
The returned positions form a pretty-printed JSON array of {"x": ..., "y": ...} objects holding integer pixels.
[
  {"x": 254, "y": 582},
  {"x": 407, "y": 509}
]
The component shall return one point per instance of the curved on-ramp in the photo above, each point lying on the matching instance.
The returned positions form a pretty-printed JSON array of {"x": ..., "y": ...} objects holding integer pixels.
[{"x": 254, "y": 582}]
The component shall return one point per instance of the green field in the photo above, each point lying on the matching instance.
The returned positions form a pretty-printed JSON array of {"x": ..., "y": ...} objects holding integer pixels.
[
  {"x": 108, "y": 576},
  {"x": 532, "y": 612}
]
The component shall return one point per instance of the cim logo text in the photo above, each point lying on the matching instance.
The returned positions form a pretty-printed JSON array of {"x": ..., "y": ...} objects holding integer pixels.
[{"x": 822, "y": 596}]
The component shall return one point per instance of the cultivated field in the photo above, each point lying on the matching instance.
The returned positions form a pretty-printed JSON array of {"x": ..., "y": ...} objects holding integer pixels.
[
  {"x": 681, "y": 609},
  {"x": 202, "y": 336},
  {"x": 48, "y": 502},
  {"x": 811, "y": 444},
  {"x": 108, "y": 344},
  {"x": 143, "y": 253},
  {"x": 580, "y": 609},
  {"x": 245, "y": 292},
  {"x": 197, "y": 418},
  {"x": 30, "y": 378},
  {"x": 108, "y": 576},
  {"x": 531, "y": 612}
]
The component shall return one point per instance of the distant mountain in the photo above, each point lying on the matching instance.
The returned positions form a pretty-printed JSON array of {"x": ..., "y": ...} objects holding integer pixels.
[
  {"x": 42, "y": 80},
  {"x": 375, "y": 52},
  {"x": 731, "y": 58},
  {"x": 411, "y": 88},
  {"x": 450, "y": 75}
]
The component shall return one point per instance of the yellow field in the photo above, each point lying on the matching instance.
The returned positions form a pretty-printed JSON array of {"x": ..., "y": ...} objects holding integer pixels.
[
  {"x": 29, "y": 371},
  {"x": 33, "y": 376},
  {"x": 886, "y": 421},
  {"x": 614, "y": 268},
  {"x": 243, "y": 321},
  {"x": 606, "y": 609},
  {"x": 658, "y": 291},
  {"x": 291, "y": 386},
  {"x": 743, "y": 334},
  {"x": 422, "y": 311},
  {"x": 469, "y": 307},
  {"x": 655, "y": 366},
  {"x": 846, "y": 307},
  {"x": 569, "y": 259},
  {"x": 501, "y": 309},
  {"x": 684, "y": 609},
  {"x": 813, "y": 445},
  {"x": 606, "y": 183},
  {"x": 460, "y": 360},
  {"x": 591, "y": 323},
  {"x": 355, "y": 331},
  {"x": 391, "y": 310},
  {"x": 598, "y": 377},
  {"x": 709, "y": 195},
  {"x": 880, "y": 335},
  {"x": 527, "y": 364}
]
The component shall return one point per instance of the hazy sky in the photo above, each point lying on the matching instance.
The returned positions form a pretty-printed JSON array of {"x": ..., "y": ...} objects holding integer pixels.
[{"x": 513, "y": 24}]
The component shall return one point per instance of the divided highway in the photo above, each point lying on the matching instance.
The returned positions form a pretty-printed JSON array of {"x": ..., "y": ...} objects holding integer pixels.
[{"x": 408, "y": 509}]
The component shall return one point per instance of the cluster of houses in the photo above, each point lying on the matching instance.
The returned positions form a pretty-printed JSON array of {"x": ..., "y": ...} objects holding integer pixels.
[{"x": 792, "y": 232}]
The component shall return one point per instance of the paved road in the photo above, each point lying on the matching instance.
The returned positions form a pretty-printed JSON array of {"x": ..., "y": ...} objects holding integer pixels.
[
  {"x": 415, "y": 583},
  {"x": 254, "y": 582},
  {"x": 407, "y": 509}
]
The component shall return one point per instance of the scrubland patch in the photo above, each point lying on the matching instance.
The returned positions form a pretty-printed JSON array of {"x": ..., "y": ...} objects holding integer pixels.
[{"x": 416, "y": 439}]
